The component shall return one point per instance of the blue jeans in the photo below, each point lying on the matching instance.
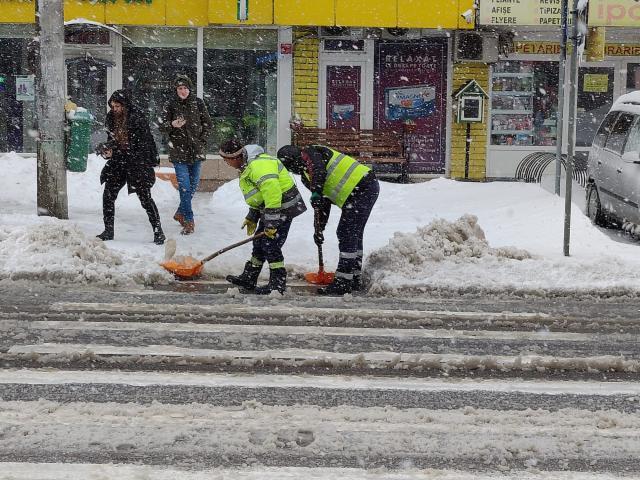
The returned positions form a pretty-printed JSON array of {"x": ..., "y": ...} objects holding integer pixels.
[{"x": 188, "y": 177}]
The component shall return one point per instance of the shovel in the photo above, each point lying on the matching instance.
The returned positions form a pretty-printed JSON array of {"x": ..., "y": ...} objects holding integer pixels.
[
  {"x": 320, "y": 277},
  {"x": 186, "y": 268}
]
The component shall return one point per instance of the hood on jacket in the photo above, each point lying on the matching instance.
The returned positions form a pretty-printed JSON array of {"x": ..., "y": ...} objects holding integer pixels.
[
  {"x": 253, "y": 151},
  {"x": 123, "y": 97},
  {"x": 183, "y": 80}
]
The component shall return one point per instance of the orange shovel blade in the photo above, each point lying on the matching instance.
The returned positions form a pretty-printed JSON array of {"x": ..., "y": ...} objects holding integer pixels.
[
  {"x": 319, "y": 278},
  {"x": 186, "y": 268}
]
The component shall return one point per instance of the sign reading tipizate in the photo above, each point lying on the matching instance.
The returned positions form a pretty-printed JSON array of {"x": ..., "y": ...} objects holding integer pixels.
[
  {"x": 613, "y": 13},
  {"x": 520, "y": 12}
]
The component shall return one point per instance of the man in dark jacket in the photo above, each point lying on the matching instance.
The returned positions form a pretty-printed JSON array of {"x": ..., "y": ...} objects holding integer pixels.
[
  {"x": 131, "y": 154},
  {"x": 187, "y": 124},
  {"x": 336, "y": 178}
]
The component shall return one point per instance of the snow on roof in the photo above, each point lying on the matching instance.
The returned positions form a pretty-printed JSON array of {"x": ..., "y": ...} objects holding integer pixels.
[{"x": 629, "y": 102}]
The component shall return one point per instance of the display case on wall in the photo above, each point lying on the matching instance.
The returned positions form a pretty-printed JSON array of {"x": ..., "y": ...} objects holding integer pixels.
[{"x": 523, "y": 104}]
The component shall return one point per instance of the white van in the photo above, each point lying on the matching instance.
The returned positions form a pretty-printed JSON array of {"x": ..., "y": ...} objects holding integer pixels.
[{"x": 613, "y": 169}]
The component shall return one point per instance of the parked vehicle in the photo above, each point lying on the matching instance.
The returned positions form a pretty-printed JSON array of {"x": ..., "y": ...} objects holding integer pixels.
[{"x": 613, "y": 188}]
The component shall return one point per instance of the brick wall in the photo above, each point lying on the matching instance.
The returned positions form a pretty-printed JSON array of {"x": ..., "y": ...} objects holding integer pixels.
[
  {"x": 462, "y": 73},
  {"x": 305, "y": 76}
]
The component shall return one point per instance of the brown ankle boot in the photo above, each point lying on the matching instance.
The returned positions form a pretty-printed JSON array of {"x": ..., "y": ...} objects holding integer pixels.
[
  {"x": 188, "y": 228},
  {"x": 178, "y": 217}
]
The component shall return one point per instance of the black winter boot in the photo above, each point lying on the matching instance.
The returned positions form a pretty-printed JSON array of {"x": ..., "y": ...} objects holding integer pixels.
[
  {"x": 106, "y": 235},
  {"x": 339, "y": 286},
  {"x": 277, "y": 281},
  {"x": 248, "y": 278},
  {"x": 158, "y": 237}
]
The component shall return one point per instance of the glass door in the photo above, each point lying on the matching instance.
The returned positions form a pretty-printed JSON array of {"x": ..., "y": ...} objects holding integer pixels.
[
  {"x": 87, "y": 88},
  {"x": 595, "y": 97},
  {"x": 343, "y": 96}
]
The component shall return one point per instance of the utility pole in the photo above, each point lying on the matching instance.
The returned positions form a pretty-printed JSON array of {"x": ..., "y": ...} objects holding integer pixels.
[
  {"x": 560, "y": 115},
  {"x": 52, "y": 174},
  {"x": 573, "y": 81}
]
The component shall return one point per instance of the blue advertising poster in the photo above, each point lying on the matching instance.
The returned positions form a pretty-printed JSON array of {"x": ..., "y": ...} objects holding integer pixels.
[{"x": 410, "y": 96}]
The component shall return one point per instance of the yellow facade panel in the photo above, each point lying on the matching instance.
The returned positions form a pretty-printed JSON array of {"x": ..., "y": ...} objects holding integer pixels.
[
  {"x": 428, "y": 14},
  {"x": 189, "y": 13},
  {"x": 378, "y": 13},
  {"x": 122, "y": 13},
  {"x": 82, "y": 9},
  {"x": 18, "y": 11},
  {"x": 225, "y": 12},
  {"x": 304, "y": 12}
]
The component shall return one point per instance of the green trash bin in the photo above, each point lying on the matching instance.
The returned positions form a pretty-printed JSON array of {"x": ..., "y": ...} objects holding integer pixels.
[{"x": 79, "y": 140}]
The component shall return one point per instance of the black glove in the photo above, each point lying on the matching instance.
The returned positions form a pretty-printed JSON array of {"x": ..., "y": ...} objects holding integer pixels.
[{"x": 318, "y": 238}]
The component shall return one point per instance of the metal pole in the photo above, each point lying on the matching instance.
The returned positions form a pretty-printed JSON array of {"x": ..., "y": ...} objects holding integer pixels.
[
  {"x": 52, "y": 174},
  {"x": 573, "y": 80},
  {"x": 560, "y": 113}
]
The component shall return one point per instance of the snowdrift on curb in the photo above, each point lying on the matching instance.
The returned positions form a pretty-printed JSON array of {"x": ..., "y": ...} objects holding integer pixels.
[{"x": 59, "y": 252}]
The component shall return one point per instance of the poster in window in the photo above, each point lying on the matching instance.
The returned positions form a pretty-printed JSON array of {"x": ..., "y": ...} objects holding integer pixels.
[
  {"x": 596, "y": 82},
  {"x": 410, "y": 88},
  {"x": 343, "y": 96},
  {"x": 25, "y": 88}
]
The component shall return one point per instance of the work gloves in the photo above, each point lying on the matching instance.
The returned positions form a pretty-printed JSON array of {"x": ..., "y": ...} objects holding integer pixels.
[
  {"x": 270, "y": 232},
  {"x": 318, "y": 237},
  {"x": 316, "y": 200},
  {"x": 251, "y": 226}
]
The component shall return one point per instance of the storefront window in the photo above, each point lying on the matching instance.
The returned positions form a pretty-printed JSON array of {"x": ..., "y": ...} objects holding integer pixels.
[
  {"x": 595, "y": 97},
  {"x": 524, "y": 103},
  {"x": 17, "y": 99},
  {"x": 633, "y": 77},
  {"x": 240, "y": 68},
  {"x": 150, "y": 67}
]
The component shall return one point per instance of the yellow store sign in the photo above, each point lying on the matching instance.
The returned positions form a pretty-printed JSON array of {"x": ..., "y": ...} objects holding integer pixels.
[{"x": 614, "y": 13}]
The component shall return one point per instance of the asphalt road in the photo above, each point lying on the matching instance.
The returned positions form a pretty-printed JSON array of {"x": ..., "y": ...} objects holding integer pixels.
[{"x": 212, "y": 378}]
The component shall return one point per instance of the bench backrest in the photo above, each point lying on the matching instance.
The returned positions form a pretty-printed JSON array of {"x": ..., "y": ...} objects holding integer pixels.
[{"x": 359, "y": 143}]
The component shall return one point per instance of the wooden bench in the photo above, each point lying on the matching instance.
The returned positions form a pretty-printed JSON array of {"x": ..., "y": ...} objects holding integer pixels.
[{"x": 372, "y": 147}]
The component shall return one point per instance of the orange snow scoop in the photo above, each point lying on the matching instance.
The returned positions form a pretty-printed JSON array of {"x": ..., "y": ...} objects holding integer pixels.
[
  {"x": 320, "y": 277},
  {"x": 186, "y": 268}
]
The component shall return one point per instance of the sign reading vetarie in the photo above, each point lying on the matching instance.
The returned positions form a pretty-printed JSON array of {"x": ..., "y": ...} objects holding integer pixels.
[{"x": 520, "y": 12}]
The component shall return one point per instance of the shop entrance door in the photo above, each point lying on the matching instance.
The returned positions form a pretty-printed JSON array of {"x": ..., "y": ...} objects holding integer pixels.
[
  {"x": 596, "y": 92},
  {"x": 87, "y": 87}
]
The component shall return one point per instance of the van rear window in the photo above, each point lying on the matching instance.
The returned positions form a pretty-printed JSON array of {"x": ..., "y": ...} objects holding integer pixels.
[{"x": 605, "y": 129}]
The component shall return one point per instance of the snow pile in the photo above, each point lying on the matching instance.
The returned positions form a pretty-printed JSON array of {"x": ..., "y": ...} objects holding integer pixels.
[
  {"x": 411, "y": 255},
  {"x": 60, "y": 252}
]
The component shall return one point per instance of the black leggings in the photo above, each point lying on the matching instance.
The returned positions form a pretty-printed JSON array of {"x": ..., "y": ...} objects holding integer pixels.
[{"x": 111, "y": 189}]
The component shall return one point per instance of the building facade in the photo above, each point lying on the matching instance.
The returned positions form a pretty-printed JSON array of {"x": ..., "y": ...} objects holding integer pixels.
[{"x": 261, "y": 64}]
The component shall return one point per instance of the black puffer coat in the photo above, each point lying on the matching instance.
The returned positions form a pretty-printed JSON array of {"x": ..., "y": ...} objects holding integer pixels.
[
  {"x": 135, "y": 163},
  {"x": 187, "y": 143}
]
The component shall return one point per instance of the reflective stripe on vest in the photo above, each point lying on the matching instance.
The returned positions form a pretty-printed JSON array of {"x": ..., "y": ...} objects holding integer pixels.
[{"x": 343, "y": 174}]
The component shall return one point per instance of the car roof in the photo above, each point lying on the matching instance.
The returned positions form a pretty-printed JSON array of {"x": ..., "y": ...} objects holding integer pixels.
[{"x": 628, "y": 103}]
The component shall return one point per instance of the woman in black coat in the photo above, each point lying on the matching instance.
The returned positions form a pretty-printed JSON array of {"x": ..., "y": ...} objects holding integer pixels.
[{"x": 132, "y": 154}]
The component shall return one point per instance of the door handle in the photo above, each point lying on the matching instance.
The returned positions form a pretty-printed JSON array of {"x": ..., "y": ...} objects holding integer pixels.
[
  {"x": 599, "y": 162},
  {"x": 619, "y": 170}
]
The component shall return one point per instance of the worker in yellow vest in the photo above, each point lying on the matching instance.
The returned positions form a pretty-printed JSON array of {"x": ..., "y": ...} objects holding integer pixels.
[
  {"x": 274, "y": 201},
  {"x": 338, "y": 179}
]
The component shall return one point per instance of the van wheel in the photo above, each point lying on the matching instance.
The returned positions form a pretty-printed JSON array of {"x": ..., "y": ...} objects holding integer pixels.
[{"x": 594, "y": 209}]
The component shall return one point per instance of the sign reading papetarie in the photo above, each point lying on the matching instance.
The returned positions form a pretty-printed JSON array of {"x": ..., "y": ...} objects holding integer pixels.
[{"x": 520, "y": 12}]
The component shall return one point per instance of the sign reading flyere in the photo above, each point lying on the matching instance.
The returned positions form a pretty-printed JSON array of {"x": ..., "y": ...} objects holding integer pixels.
[{"x": 613, "y": 13}]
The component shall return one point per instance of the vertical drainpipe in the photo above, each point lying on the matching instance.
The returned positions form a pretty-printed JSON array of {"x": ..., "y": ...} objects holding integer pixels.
[{"x": 284, "y": 87}]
